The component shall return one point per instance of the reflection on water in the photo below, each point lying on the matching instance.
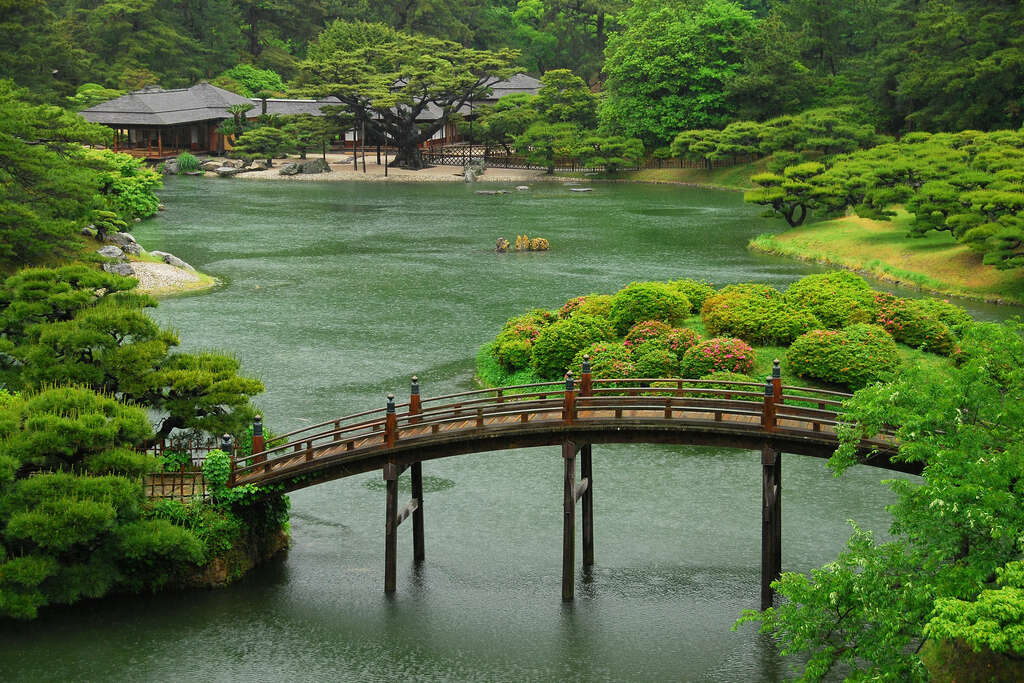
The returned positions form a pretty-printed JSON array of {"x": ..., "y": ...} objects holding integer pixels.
[{"x": 336, "y": 293}]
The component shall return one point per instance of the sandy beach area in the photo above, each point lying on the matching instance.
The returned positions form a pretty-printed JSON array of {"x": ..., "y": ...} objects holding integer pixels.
[{"x": 342, "y": 169}]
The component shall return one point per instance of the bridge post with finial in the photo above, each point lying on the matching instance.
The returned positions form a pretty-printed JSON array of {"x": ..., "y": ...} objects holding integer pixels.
[
  {"x": 586, "y": 388},
  {"x": 569, "y": 403},
  {"x": 768, "y": 410},
  {"x": 390, "y": 423},
  {"x": 258, "y": 443},
  {"x": 414, "y": 400},
  {"x": 225, "y": 445}
]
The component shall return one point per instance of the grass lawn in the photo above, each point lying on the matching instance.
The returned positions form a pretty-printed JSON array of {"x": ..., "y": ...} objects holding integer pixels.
[
  {"x": 729, "y": 178},
  {"x": 934, "y": 263}
]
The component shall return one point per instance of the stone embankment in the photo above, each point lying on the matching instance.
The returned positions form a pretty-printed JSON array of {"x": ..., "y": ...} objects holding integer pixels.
[{"x": 167, "y": 276}]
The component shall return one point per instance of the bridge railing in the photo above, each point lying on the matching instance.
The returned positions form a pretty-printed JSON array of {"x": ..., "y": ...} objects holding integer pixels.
[{"x": 770, "y": 406}]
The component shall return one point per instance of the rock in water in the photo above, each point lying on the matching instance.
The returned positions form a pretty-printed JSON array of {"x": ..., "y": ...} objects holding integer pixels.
[
  {"x": 469, "y": 175},
  {"x": 581, "y": 189},
  {"x": 119, "y": 269},
  {"x": 227, "y": 171},
  {"x": 314, "y": 166},
  {"x": 110, "y": 251},
  {"x": 171, "y": 167},
  {"x": 522, "y": 187},
  {"x": 211, "y": 165},
  {"x": 172, "y": 260},
  {"x": 289, "y": 169}
]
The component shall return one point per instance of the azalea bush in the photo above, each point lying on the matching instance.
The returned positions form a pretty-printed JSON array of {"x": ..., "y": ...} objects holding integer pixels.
[
  {"x": 513, "y": 347},
  {"x": 756, "y": 313},
  {"x": 694, "y": 290},
  {"x": 559, "y": 342},
  {"x": 854, "y": 357},
  {"x": 916, "y": 323},
  {"x": 717, "y": 355},
  {"x": 680, "y": 339},
  {"x": 654, "y": 359},
  {"x": 608, "y": 360},
  {"x": 837, "y": 299},
  {"x": 641, "y": 332},
  {"x": 640, "y": 301}
]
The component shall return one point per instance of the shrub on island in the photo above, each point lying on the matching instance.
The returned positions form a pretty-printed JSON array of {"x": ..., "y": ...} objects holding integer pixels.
[
  {"x": 653, "y": 359},
  {"x": 855, "y": 356},
  {"x": 717, "y": 355},
  {"x": 640, "y": 301},
  {"x": 608, "y": 360},
  {"x": 916, "y": 323},
  {"x": 694, "y": 290},
  {"x": 559, "y": 342},
  {"x": 837, "y": 299},
  {"x": 680, "y": 339},
  {"x": 758, "y": 314},
  {"x": 513, "y": 347},
  {"x": 641, "y": 332}
]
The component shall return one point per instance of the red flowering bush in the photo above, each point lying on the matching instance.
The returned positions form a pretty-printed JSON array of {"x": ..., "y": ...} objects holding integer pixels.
[
  {"x": 715, "y": 355},
  {"x": 680, "y": 339},
  {"x": 916, "y": 322},
  {"x": 569, "y": 306},
  {"x": 855, "y": 356},
  {"x": 641, "y": 332}
]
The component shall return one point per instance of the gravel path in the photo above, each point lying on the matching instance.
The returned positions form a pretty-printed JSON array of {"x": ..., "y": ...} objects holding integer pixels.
[{"x": 161, "y": 278}]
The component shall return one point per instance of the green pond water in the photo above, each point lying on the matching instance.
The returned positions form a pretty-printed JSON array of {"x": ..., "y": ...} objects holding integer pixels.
[{"x": 334, "y": 294}]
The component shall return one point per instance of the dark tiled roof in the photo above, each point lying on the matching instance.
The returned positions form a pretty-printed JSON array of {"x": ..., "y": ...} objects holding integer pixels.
[
  {"x": 520, "y": 83},
  {"x": 158, "y": 107},
  {"x": 275, "y": 106}
]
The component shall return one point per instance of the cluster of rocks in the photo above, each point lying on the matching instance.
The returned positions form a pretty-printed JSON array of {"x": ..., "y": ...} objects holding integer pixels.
[
  {"x": 310, "y": 166},
  {"x": 121, "y": 243},
  {"x": 474, "y": 168}
]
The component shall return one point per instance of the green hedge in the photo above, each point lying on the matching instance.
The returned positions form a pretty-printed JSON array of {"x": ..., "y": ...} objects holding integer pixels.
[
  {"x": 916, "y": 323},
  {"x": 758, "y": 314},
  {"x": 855, "y": 356},
  {"x": 560, "y": 341},
  {"x": 696, "y": 291},
  {"x": 641, "y": 332},
  {"x": 608, "y": 360},
  {"x": 837, "y": 299},
  {"x": 641, "y": 301}
]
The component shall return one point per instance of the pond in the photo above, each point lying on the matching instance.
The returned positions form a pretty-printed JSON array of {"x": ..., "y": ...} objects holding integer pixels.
[{"x": 335, "y": 294}]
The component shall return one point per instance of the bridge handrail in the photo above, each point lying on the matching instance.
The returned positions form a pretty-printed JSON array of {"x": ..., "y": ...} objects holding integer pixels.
[
  {"x": 499, "y": 390},
  {"x": 307, "y": 428},
  {"x": 815, "y": 390}
]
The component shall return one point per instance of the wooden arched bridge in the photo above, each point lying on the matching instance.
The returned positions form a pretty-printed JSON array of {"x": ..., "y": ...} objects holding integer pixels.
[{"x": 771, "y": 418}]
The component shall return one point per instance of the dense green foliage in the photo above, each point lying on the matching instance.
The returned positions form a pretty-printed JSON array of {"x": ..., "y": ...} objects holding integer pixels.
[
  {"x": 757, "y": 313},
  {"x": 640, "y": 301},
  {"x": 954, "y": 532},
  {"x": 854, "y": 357},
  {"x": 720, "y": 354},
  {"x": 559, "y": 342},
  {"x": 836, "y": 299}
]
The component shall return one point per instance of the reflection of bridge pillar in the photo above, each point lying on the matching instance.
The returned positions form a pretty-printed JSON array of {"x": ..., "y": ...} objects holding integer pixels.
[
  {"x": 418, "y": 552},
  {"x": 391, "y": 528},
  {"x": 771, "y": 522},
  {"x": 569, "y": 521},
  {"x": 587, "y": 474}
]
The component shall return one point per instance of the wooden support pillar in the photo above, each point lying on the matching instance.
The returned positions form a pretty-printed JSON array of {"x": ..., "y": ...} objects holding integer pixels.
[
  {"x": 587, "y": 474},
  {"x": 569, "y": 521},
  {"x": 418, "y": 552},
  {"x": 160, "y": 142},
  {"x": 771, "y": 522},
  {"x": 390, "y": 423},
  {"x": 391, "y": 528},
  {"x": 768, "y": 407},
  {"x": 569, "y": 399}
]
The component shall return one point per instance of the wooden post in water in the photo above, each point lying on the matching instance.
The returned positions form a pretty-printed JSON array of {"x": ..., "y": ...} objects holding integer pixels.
[
  {"x": 569, "y": 522},
  {"x": 258, "y": 443},
  {"x": 390, "y": 527},
  {"x": 771, "y": 522},
  {"x": 418, "y": 551},
  {"x": 587, "y": 474}
]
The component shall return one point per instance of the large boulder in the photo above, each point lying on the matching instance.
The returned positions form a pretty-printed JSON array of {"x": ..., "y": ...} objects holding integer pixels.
[
  {"x": 110, "y": 251},
  {"x": 227, "y": 171},
  {"x": 211, "y": 165},
  {"x": 259, "y": 165},
  {"x": 289, "y": 169},
  {"x": 120, "y": 269},
  {"x": 172, "y": 260},
  {"x": 171, "y": 167},
  {"x": 125, "y": 241},
  {"x": 233, "y": 163},
  {"x": 314, "y": 166}
]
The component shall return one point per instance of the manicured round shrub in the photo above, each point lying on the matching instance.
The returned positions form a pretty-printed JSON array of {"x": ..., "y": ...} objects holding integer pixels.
[
  {"x": 560, "y": 341},
  {"x": 694, "y": 290},
  {"x": 680, "y": 339},
  {"x": 640, "y": 301},
  {"x": 718, "y": 354},
  {"x": 537, "y": 316},
  {"x": 641, "y": 332},
  {"x": 758, "y": 314},
  {"x": 653, "y": 359},
  {"x": 597, "y": 305},
  {"x": 608, "y": 360},
  {"x": 854, "y": 357},
  {"x": 837, "y": 299},
  {"x": 915, "y": 324},
  {"x": 513, "y": 346},
  {"x": 953, "y": 316}
]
